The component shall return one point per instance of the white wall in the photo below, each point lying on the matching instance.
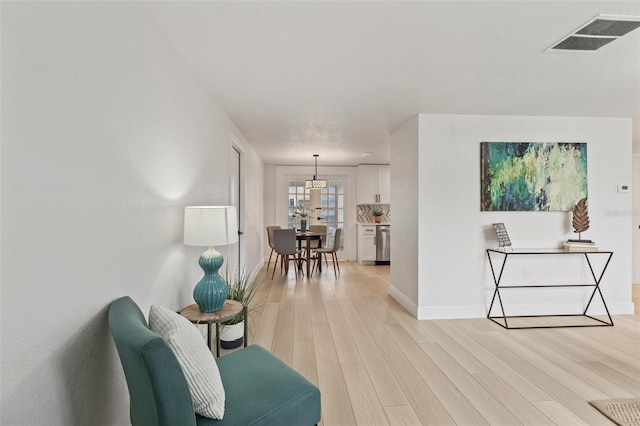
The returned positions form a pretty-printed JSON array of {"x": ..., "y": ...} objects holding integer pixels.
[
  {"x": 453, "y": 233},
  {"x": 405, "y": 174},
  {"x": 269, "y": 202},
  {"x": 106, "y": 136},
  {"x": 636, "y": 135}
]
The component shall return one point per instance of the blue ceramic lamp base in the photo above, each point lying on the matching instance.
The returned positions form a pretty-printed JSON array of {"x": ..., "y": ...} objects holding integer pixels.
[{"x": 211, "y": 291}]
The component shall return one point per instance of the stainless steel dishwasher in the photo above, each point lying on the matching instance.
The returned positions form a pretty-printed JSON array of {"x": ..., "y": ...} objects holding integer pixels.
[{"x": 383, "y": 245}]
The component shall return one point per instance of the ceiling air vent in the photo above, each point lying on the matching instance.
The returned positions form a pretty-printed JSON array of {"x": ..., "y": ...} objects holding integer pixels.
[{"x": 600, "y": 31}]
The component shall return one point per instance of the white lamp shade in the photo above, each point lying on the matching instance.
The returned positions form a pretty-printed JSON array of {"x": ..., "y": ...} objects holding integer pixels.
[
  {"x": 315, "y": 184},
  {"x": 209, "y": 226}
]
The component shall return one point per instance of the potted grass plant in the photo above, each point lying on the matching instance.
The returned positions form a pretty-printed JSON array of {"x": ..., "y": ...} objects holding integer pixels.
[{"x": 243, "y": 290}]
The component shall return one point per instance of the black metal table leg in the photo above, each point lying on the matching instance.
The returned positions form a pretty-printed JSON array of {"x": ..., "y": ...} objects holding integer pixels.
[
  {"x": 597, "y": 288},
  {"x": 217, "y": 339},
  {"x": 496, "y": 292}
]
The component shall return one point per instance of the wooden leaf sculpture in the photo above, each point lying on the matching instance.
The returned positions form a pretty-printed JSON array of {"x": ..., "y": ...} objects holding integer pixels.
[{"x": 580, "y": 217}]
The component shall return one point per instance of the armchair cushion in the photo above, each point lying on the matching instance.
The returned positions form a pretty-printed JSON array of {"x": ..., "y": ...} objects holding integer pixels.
[{"x": 262, "y": 390}]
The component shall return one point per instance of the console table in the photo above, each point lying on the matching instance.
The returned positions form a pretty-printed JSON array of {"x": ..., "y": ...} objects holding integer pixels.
[{"x": 548, "y": 252}]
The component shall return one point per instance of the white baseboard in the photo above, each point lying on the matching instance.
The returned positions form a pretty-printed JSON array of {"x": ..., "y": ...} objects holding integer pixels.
[
  {"x": 621, "y": 308},
  {"x": 255, "y": 270},
  {"x": 403, "y": 300},
  {"x": 480, "y": 311},
  {"x": 452, "y": 312}
]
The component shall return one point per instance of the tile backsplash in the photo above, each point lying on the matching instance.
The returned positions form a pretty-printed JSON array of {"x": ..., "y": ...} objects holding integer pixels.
[{"x": 365, "y": 212}]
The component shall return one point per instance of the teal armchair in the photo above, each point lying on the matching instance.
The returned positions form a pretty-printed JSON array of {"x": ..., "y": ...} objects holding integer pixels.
[{"x": 260, "y": 389}]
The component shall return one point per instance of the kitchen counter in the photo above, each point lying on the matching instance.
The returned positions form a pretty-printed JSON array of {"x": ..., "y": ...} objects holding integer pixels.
[{"x": 373, "y": 223}]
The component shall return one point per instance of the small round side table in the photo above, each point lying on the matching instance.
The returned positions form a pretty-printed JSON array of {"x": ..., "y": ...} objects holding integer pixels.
[{"x": 230, "y": 310}]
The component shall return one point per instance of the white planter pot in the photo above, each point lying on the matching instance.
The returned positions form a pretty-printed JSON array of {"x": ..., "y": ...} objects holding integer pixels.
[{"x": 231, "y": 336}]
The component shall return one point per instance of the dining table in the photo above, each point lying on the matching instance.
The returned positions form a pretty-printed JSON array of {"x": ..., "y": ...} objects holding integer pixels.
[{"x": 308, "y": 236}]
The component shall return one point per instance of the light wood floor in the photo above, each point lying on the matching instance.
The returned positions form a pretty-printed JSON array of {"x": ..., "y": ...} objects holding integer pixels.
[{"x": 375, "y": 364}]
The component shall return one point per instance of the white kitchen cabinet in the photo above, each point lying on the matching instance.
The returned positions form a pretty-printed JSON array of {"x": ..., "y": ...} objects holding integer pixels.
[
  {"x": 366, "y": 244},
  {"x": 374, "y": 184}
]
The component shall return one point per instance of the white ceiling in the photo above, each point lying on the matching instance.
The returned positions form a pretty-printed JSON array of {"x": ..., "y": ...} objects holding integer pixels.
[{"x": 337, "y": 78}]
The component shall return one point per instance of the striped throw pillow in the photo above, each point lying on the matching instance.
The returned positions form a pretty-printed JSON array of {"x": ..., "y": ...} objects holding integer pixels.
[{"x": 198, "y": 364}]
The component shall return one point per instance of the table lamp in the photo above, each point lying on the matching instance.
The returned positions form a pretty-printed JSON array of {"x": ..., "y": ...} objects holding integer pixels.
[{"x": 209, "y": 226}]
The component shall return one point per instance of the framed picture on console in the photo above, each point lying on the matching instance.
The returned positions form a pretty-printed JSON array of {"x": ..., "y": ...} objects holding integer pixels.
[{"x": 502, "y": 235}]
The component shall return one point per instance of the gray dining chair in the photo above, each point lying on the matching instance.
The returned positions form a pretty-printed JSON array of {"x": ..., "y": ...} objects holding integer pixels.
[
  {"x": 337, "y": 242},
  {"x": 270, "y": 230},
  {"x": 284, "y": 244},
  {"x": 322, "y": 242},
  {"x": 321, "y": 229}
]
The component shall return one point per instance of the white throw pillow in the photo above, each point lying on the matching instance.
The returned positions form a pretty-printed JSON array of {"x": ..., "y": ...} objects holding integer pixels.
[{"x": 198, "y": 364}]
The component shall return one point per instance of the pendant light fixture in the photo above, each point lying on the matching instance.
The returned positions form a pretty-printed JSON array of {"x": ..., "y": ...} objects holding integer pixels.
[{"x": 315, "y": 183}]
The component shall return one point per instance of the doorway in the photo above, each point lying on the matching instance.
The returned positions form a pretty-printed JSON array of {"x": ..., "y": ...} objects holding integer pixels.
[
  {"x": 635, "y": 221},
  {"x": 635, "y": 232},
  {"x": 235, "y": 182}
]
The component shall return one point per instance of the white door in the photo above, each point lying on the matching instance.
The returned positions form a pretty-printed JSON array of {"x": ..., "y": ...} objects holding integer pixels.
[
  {"x": 636, "y": 218},
  {"x": 235, "y": 257}
]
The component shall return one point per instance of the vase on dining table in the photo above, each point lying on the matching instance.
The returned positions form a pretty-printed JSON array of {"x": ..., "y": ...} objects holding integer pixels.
[{"x": 303, "y": 224}]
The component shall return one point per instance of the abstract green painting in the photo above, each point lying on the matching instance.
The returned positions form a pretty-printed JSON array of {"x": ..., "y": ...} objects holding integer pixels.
[{"x": 532, "y": 176}]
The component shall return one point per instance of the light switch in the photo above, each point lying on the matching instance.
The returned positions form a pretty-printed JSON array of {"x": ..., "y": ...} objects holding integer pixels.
[{"x": 623, "y": 188}]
